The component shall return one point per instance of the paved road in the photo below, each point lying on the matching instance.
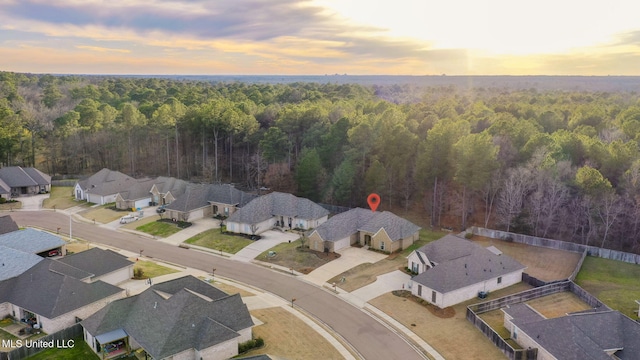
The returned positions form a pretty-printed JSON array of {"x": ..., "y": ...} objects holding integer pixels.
[{"x": 368, "y": 336}]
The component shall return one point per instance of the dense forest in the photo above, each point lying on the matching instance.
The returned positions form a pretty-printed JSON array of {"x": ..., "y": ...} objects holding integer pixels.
[{"x": 552, "y": 163}]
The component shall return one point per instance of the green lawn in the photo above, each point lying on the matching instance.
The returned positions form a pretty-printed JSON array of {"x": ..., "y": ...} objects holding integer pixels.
[
  {"x": 215, "y": 239},
  {"x": 61, "y": 197},
  {"x": 615, "y": 283},
  {"x": 157, "y": 228},
  {"x": 80, "y": 350},
  {"x": 151, "y": 269}
]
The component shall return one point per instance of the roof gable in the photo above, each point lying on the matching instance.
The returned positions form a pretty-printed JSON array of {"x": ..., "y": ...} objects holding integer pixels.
[
  {"x": 359, "y": 219},
  {"x": 14, "y": 262},
  {"x": 15, "y": 176},
  {"x": 184, "y": 320},
  {"x": 106, "y": 182},
  {"x": 96, "y": 261},
  {"x": 278, "y": 204},
  {"x": 31, "y": 240},
  {"x": 7, "y": 225}
]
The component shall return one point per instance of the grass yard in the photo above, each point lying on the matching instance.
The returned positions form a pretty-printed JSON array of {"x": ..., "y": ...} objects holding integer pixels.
[
  {"x": 215, "y": 239},
  {"x": 615, "y": 283},
  {"x": 102, "y": 214},
  {"x": 151, "y": 269},
  {"x": 542, "y": 263},
  {"x": 426, "y": 236},
  {"x": 304, "y": 261},
  {"x": 143, "y": 221},
  {"x": 230, "y": 289},
  {"x": 80, "y": 350},
  {"x": 61, "y": 197},
  {"x": 11, "y": 206},
  {"x": 288, "y": 337},
  {"x": 157, "y": 228}
]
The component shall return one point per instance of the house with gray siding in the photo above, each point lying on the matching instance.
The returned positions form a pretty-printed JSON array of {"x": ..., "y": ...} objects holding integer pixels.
[
  {"x": 452, "y": 270},
  {"x": 206, "y": 200},
  {"x": 276, "y": 209},
  {"x": 184, "y": 318},
  {"x": 102, "y": 187}
]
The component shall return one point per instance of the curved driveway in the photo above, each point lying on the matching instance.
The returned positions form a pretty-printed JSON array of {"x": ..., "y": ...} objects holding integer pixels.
[{"x": 367, "y": 335}]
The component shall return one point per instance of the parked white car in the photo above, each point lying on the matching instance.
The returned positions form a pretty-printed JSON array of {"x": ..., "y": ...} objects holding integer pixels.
[{"x": 128, "y": 218}]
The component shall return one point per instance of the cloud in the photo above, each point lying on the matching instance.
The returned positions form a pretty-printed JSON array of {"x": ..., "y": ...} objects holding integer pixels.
[{"x": 102, "y": 49}]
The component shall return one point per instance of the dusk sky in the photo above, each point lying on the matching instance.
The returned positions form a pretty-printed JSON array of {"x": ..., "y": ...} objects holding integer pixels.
[{"x": 357, "y": 37}]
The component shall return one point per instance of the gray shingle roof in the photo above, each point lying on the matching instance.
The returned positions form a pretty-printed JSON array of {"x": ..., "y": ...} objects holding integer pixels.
[
  {"x": 523, "y": 313},
  {"x": 138, "y": 190},
  {"x": 7, "y": 225},
  {"x": 31, "y": 240},
  {"x": 358, "y": 219},
  {"x": 14, "y": 262},
  {"x": 198, "y": 196},
  {"x": 586, "y": 335},
  {"x": 171, "y": 185},
  {"x": 15, "y": 176},
  {"x": 106, "y": 182},
  {"x": 97, "y": 261},
  {"x": 168, "y": 326},
  {"x": 461, "y": 263},
  {"x": 38, "y": 176},
  {"x": 49, "y": 293},
  {"x": 277, "y": 204},
  {"x": 4, "y": 187}
]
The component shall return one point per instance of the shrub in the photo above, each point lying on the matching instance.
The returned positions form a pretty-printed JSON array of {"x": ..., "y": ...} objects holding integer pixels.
[
  {"x": 138, "y": 273},
  {"x": 2, "y": 200},
  {"x": 468, "y": 235},
  {"x": 250, "y": 345}
]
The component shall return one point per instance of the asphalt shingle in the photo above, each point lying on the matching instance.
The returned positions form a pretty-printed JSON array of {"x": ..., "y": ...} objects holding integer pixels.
[
  {"x": 7, "y": 225},
  {"x": 15, "y": 176},
  {"x": 277, "y": 204},
  {"x": 96, "y": 261},
  {"x": 31, "y": 241}
]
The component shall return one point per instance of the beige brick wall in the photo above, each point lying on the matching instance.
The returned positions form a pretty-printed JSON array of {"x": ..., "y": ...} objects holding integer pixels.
[{"x": 68, "y": 319}]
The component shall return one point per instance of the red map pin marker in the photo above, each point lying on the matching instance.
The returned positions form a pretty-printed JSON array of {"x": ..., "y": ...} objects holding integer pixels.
[{"x": 373, "y": 200}]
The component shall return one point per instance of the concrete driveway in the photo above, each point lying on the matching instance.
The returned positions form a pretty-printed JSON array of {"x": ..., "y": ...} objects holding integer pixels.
[
  {"x": 32, "y": 202},
  {"x": 349, "y": 257},
  {"x": 269, "y": 239},
  {"x": 395, "y": 280}
]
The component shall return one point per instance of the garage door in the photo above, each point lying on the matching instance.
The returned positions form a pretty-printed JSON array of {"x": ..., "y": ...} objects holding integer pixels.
[
  {"x": 342, "y": 243},
  {"x": 196, "y": 214}
]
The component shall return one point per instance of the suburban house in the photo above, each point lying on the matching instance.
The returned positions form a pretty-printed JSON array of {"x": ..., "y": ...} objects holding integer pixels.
[
  {"x": 14, "y": 262},
  {"x": 7, "y": 225},
  {"x": 102, "y": 187},
  {"x": 276, "y": 210},
  {"x": 590, "y": 335},
  {"x": 148, "y": 192},
  {"x": 102, "y": 265},
  {"x": 5, "y": 190},
  {"x": 52, "y": 296},
  {"x": 207, "y": 200},
  {"x": 34, "y": 242},
  {"x": 452, "y": 270},
  {"x": 379, "y": 230},
  {"x": 184, "y": 318},
  {"x": 23, "y": 181}
]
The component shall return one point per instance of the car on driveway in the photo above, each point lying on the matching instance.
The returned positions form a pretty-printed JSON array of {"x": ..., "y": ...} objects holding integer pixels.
[
  {"x": 128, "y": 218},
  {"x": 161, "y": 209}
]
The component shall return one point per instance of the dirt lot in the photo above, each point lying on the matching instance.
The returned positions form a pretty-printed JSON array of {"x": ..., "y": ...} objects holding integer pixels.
[
  {"x": 542, "y": 263},
  {"x": 288, "y": 337}
]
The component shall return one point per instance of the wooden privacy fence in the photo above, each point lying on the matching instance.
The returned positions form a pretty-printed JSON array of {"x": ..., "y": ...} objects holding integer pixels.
[
  {"x": 521, "y": 354},
  {"x": 557, "y": 244},
  {"x": 59, "y": 338}
]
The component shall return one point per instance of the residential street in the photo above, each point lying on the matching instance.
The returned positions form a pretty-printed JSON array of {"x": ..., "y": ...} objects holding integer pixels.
[{"x": 371, "y": 339}]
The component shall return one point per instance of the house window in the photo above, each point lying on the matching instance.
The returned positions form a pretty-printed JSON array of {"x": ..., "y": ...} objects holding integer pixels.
[
  {"x": 382, "y": 245},
  {"x": 419, "y": 290},
  {"x": 433, "y": 297},
  {"x": 414, "y": 267},
  {"x": 226, "y": 211},
  {"x": 500, "y": 280},
  {"x": 515, "y": 333}
]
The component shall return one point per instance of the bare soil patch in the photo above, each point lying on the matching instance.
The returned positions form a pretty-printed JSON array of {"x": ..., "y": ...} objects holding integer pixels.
[
  {"x": 559, "y": 304},
  {"x": 288, "y": 337},
  {"x": 441, "y": 313},
  {"x": 542, "y": 263},
  {"x": 76, "y": 247}
]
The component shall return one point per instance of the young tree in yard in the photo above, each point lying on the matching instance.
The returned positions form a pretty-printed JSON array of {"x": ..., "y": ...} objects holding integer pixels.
[{"x": 475, "y": 161}]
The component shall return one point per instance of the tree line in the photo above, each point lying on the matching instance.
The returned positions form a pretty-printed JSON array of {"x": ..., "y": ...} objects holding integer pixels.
[{"x": 559, "y": 164}]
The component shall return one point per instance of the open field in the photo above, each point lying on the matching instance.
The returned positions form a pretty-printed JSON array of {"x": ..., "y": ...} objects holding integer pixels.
[
  {"x": 542, "y": 263},
  {"x": 301, "y": 260},
  {"x": 288, "y": 337},
  {"x": 157, "y": 228},
  {"x": 215, "y": 239},
  {"x": 615, "y": 283},
  {"x": 102, "y": 214},
  {"x": 151, "y": 269},
  {"x": 61, "y": 197}
]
